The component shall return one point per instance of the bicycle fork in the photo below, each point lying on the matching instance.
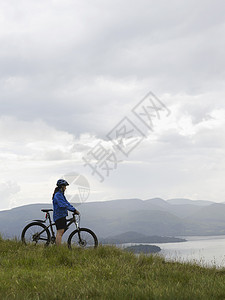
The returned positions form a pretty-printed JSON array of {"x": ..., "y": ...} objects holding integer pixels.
[{"x": 82, "y": 242}]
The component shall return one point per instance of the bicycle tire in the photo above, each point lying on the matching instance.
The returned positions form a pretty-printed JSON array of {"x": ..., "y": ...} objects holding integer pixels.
[
  {"x": 88, "y": 239},
  {"x": 30, "y": 234}
]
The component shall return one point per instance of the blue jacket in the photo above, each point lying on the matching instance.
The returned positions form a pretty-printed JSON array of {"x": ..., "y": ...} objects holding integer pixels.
[{"x": 60, "y": 206}]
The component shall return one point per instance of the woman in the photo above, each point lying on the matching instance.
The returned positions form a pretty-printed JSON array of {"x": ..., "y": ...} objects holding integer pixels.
[{"x": 60, "y": 209}]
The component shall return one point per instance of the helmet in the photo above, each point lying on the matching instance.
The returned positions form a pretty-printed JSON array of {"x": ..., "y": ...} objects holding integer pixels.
[{"x": 61, "y": 182}]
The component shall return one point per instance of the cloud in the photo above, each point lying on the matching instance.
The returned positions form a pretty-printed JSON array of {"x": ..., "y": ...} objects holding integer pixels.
[
  {"x": 71, "y": 63},
  {"x": 8, "y": 190},
  {"x": 34, "y": 140},
  {"x": 70, "y": 71}
]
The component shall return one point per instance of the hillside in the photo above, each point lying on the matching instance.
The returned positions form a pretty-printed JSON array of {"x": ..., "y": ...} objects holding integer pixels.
[
  {"x": 103, "y": 273},
  {"x": 135, "y": 237},
  {"x": 149, "y": 217}
]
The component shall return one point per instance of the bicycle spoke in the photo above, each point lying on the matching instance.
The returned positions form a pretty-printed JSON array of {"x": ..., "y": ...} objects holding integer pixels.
[
  {"x": 35, "y": 233},
  {"x": 83, "y": 238}
]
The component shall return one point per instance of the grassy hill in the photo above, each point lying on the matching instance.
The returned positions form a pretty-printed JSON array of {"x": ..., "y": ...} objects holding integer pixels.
[{"x": 35, "y": 272}]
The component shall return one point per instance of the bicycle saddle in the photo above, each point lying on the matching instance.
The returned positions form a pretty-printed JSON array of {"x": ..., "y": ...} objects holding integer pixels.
[{"x": 46, "y": 210}]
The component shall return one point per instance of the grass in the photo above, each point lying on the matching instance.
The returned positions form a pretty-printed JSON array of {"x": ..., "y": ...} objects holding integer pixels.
[{"x": 36, "y": 272}]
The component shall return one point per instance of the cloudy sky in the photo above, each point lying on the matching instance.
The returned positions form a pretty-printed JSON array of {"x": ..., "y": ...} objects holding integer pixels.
[{"x": 70, "y": 71}]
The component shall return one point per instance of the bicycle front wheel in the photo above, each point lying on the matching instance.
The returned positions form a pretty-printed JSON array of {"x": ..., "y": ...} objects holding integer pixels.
[
  {"x": 83, "y": 237},
  {"x": 36, "y": 233}
]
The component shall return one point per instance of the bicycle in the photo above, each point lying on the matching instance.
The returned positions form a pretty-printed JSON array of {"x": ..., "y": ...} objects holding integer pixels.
[{"x": 37, "y": 232}]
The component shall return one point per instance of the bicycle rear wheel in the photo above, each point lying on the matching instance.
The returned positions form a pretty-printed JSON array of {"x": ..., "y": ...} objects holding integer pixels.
[
  {"x": 83, "y": 237},
  {"x": 36, "y": 233}
]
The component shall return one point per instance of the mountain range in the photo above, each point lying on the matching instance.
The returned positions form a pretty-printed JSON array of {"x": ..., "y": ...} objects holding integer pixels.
[{"x": 174, "y": 217}]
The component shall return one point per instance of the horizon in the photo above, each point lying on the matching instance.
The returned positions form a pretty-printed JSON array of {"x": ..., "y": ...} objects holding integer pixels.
[{"x": 120, "y": 199}]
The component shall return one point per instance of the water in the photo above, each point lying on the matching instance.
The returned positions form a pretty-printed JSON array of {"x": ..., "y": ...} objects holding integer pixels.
[{"x": 207, "y": 251}]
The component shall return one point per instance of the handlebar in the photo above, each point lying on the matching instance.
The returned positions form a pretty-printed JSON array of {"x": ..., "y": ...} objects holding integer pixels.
[{"x": 77, "y": 218}]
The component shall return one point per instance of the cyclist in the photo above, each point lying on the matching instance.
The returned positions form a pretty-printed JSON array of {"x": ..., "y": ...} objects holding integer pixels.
[{"x": 60, "y": 209}]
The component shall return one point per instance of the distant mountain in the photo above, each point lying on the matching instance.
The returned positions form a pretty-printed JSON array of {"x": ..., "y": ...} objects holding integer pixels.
[
  {"x": 214, "y": 212},
  {"x": 210, "y": 220},
  {"x": 158, "y": 202},
  {"x": 135, "y": 237},
  {"x": 150, "y": 217},
  {"x": 182, "y": 201}
]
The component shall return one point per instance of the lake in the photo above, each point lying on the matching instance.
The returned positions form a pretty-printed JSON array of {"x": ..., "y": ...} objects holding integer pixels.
[{"x": 204, "y": 250}]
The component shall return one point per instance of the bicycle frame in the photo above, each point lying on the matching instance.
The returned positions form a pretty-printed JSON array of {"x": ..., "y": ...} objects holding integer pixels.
[{"x": 51, "y": 224}]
